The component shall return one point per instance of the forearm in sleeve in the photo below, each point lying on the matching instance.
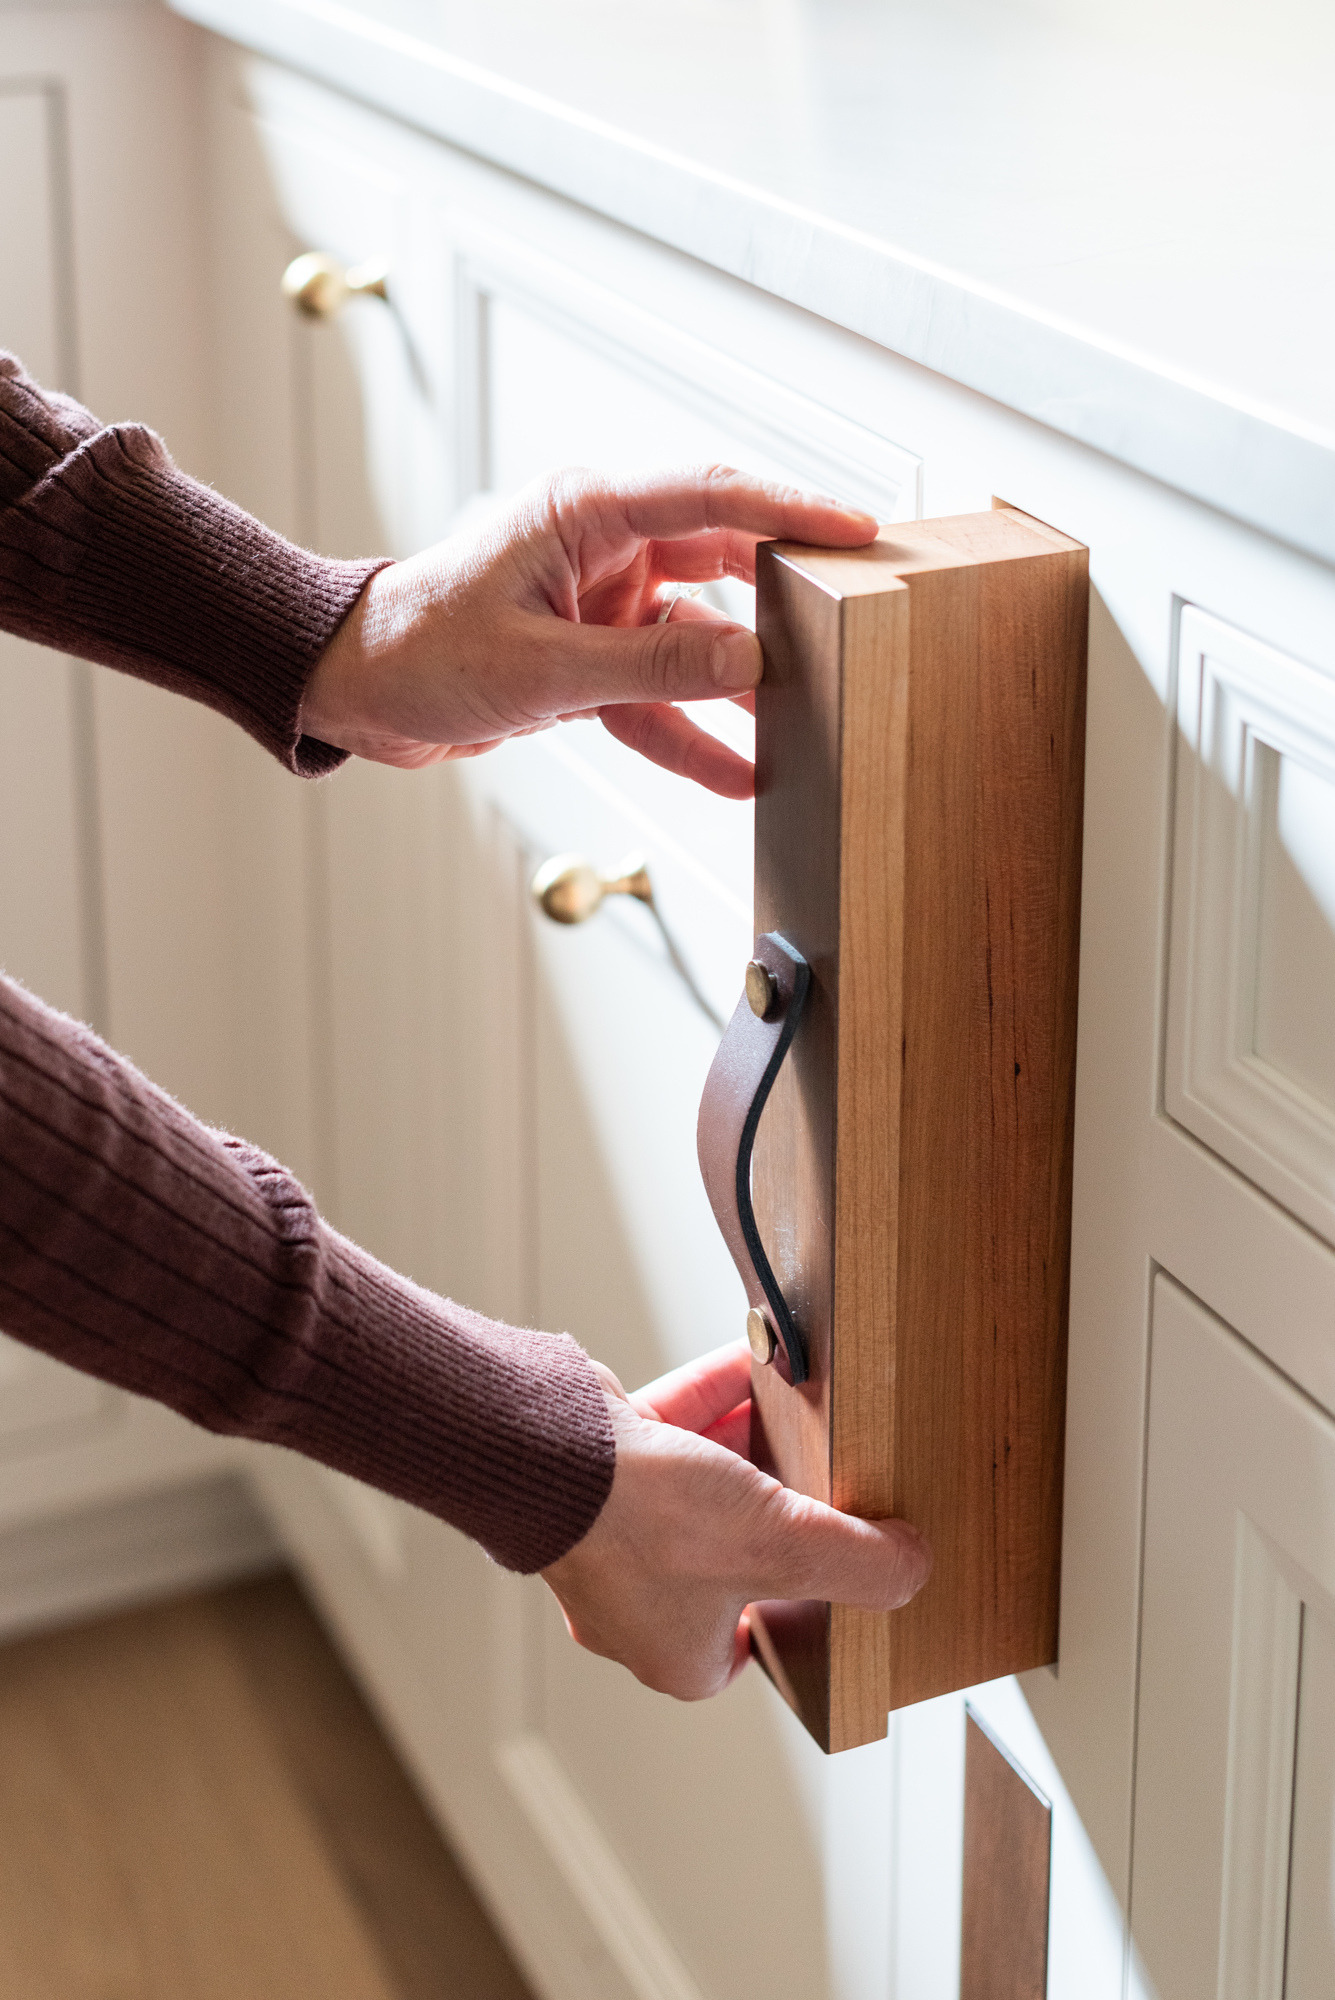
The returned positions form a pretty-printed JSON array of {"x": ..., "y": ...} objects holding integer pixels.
[
  {"x": 110, "y": 552},
  {"x": 173, "y": 1260}
]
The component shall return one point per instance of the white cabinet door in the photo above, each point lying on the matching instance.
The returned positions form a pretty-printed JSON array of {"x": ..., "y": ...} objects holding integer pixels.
[
  {"x": 668, "y": 1807},
  {"x": 1233, "y": 1896},
  {"x": 46, "y": 836}
]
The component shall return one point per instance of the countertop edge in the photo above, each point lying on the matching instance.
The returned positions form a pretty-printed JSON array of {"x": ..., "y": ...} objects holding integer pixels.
[{"x": 1248, "y": 464}]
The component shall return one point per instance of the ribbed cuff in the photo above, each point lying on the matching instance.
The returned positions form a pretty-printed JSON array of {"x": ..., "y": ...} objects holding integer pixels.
[
  {"x": 121, "y": 558},
  {"x": 501, "y": 1431}
]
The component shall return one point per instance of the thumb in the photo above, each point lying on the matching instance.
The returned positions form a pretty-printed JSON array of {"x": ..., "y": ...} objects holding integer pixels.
[
  {"x": 578, "y": 667},
  {"x": 810, "y": 1550}
]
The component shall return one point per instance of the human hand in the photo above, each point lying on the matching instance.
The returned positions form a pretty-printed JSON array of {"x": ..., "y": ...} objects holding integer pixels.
[
  {"x": 692, "y": 1533},
  {"x": 550, "y": 613}
]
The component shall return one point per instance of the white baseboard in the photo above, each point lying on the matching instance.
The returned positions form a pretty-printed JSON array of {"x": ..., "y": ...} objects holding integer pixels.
[
  {"x": 593, "y": 1872},
  {"x": 54, "y": 1572}
]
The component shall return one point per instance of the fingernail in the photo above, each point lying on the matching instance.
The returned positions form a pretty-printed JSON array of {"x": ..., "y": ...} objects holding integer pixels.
[{"x": 735, "y": 662}]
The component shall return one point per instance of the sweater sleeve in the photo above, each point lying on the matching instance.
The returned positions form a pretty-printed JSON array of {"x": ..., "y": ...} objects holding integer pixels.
[
  {"x": 178, "y": 1262},
  {"x": 108, "y": 551}
]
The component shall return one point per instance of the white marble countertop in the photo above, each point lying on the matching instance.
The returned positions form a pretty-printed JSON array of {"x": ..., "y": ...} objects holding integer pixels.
[{"x": 1130, "y": 238}]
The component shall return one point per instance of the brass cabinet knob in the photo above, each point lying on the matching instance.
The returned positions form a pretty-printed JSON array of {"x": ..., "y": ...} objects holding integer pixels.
[
  {"x": 569, "y": 891},
  {"x": 319, "y": 286}
]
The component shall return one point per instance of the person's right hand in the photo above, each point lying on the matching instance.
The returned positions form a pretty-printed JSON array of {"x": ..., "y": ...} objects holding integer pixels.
[{"x": 692, "y": 1533}]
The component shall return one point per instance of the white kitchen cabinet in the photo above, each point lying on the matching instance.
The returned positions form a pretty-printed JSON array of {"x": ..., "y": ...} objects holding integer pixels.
[{"x": 490, "y": 1082}]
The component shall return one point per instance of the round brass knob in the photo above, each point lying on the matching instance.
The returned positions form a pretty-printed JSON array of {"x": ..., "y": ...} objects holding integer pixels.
[
  {"x": 569, "y": 891},
  {"x": 762, "y": 988},
  {"x": 319, "y": 286},
  {"x": 760, "y": 1336}
]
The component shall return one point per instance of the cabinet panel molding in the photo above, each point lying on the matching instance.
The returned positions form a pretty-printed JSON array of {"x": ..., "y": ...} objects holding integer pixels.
[
  {"x": 1240, "y": 1487},
  {"x": 920, "y": 743},
  {"x": 1251, "y": 980},
  {"x": 1309, "y": 1959}
]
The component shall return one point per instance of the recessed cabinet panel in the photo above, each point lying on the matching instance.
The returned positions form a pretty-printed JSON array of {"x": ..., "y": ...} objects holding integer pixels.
[
  {"x": 1235, "y": 1768},
  {"x": 1295, "y": 958},
  {"x": 919, "y": 784},
  {"x": 575, "y": 378},
  {"x": 1251, "y": 986}
]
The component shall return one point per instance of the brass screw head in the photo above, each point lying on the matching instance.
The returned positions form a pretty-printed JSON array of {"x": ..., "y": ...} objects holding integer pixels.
[
  {"x": 762, "y": 988},
  {"x": 760, "y": 1336}
]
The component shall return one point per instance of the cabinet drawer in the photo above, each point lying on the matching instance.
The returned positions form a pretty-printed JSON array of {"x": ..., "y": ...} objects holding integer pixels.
[{"x": 1251, "y": 984}]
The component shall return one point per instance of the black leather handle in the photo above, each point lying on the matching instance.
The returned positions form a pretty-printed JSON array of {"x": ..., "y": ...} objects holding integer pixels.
[{"x": 740, "y": 1079}]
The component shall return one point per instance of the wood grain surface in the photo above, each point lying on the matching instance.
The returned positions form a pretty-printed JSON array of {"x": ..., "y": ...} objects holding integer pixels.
[
  {"x": 919, "y": 744},
  {"x": 195, "y": 1804},
  {"x": 1007, "y": 1875}
]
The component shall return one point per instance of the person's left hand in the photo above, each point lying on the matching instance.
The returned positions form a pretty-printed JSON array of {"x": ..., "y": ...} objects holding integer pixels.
[
  {"x": 692, "y": 1533},
  {"x": 551, "y": 613}
]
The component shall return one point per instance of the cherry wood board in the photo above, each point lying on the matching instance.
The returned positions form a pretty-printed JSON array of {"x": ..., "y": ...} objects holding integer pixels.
[
  {"x": 919, "y": 757},
  {"x": 1007, "y": 1875}
]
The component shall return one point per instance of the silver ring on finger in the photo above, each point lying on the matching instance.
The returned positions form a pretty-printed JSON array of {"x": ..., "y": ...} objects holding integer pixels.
[{"x": 668, "y": 600}]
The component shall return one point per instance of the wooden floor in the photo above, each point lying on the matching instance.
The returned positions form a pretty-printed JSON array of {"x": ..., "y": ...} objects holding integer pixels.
[{"x": 195, "y": 1804}]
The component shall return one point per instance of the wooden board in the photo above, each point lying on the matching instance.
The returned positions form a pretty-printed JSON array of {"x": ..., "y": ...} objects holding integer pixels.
[
  {"x": 920, "y": 747},
  {"x": 1007, "y": 1875}
]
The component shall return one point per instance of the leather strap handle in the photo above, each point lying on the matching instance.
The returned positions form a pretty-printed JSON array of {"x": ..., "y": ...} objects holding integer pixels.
[{"x": 740, "y": 1079}]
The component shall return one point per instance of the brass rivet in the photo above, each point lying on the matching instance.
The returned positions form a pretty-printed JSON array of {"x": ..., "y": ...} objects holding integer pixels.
[
  {"x": 760, "y": 1336},
  {"x": 762, "y": 988}
]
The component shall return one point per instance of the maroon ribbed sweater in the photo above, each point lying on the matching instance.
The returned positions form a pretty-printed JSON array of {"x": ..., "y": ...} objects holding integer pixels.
[{"x": 135, "y": 1242}]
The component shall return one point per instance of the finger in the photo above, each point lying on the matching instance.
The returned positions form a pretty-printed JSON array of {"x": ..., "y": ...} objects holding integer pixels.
[
  {"x": 670, "y": 739},
  {"x": 672, "y": 504},
  {"x": 721, "y": 552},
  {"x": 810, "y": 1550},
  {"x": 559, "y": 665},
  {"x": 733, "y": 1432},
  {"x": 696, "y": 1395}
]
